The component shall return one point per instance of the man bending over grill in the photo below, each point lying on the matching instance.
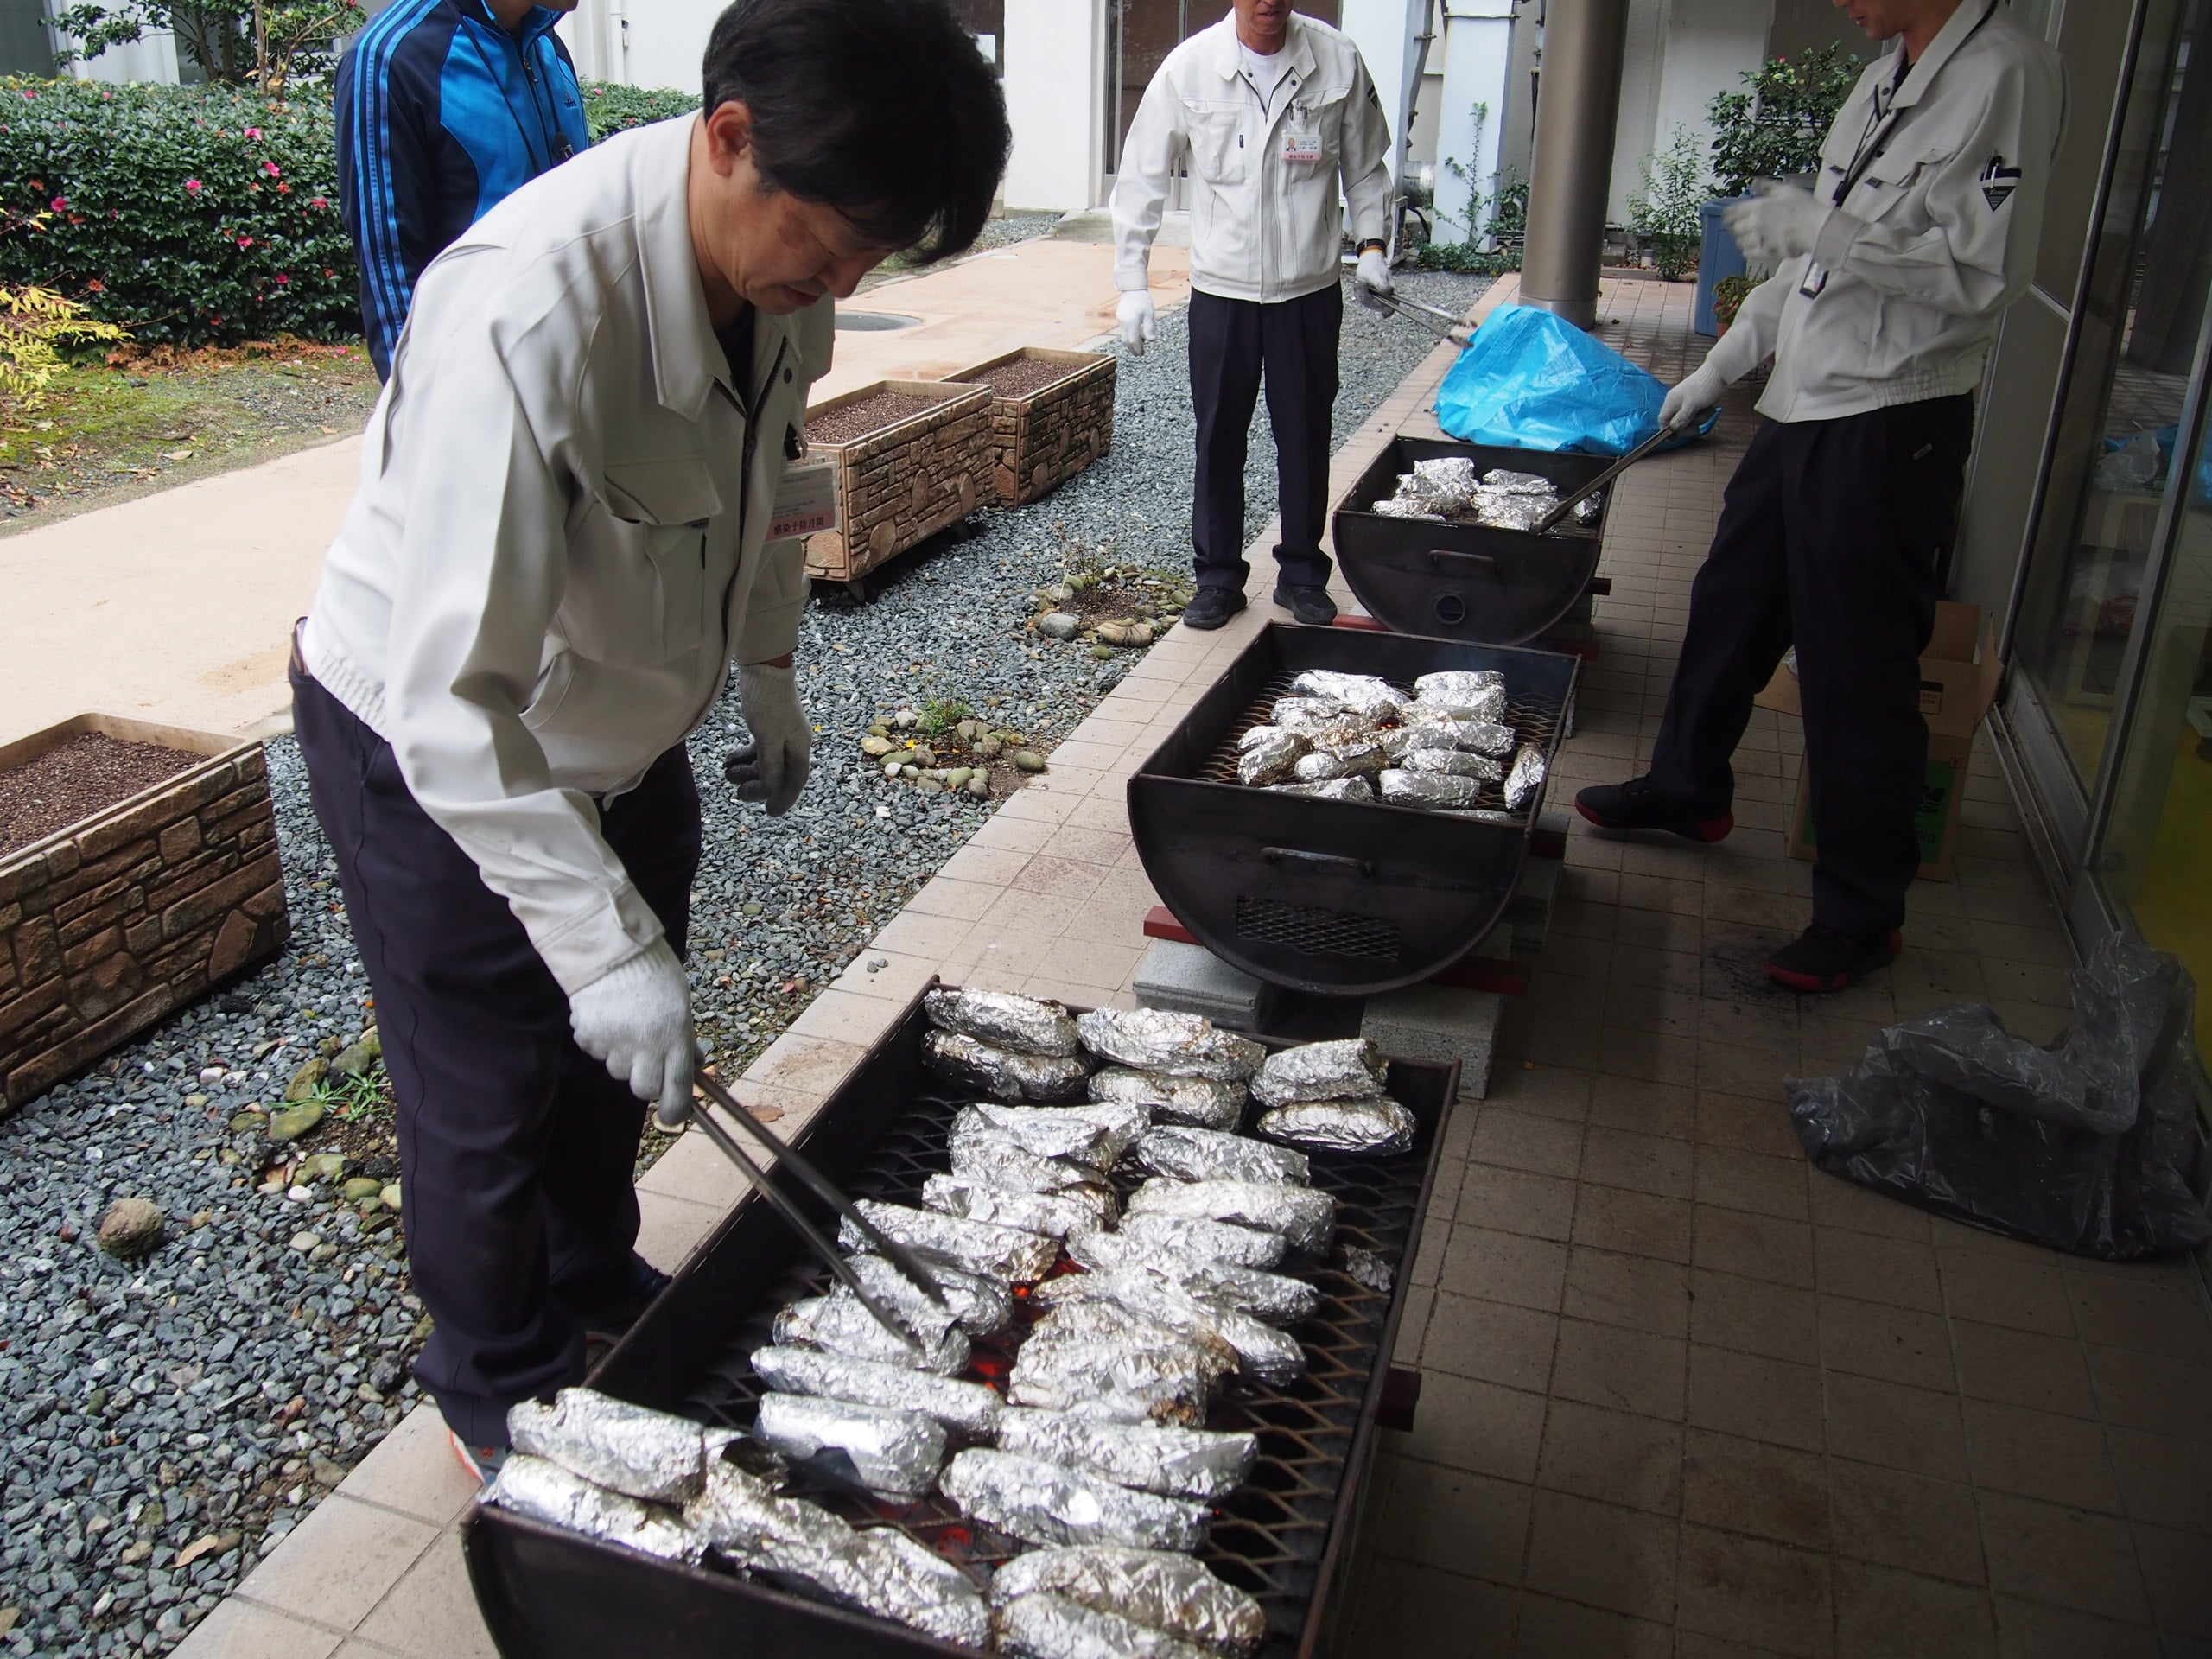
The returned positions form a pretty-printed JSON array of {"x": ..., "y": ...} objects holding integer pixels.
[{"x": 567, "y": 527}]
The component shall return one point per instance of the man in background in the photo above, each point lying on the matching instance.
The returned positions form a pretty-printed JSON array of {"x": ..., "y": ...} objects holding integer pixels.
[
  {"x": 445, "y": 109},
  {"x": 1272, "y": 110}
]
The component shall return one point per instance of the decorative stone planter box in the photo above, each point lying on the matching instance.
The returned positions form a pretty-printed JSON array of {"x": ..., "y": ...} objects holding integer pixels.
[
  {"x": 1044, "y": 435},
  {"x": 900, "y": 483},
  {"x": 109, "y": 924}
]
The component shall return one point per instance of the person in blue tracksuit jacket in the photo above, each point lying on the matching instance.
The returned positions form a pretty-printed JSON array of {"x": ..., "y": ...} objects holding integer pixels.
[{"x": 445, "y": 108}]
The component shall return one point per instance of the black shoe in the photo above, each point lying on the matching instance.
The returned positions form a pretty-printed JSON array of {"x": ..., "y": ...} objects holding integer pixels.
[
  {"x": 1212, "y": 607},
  {"x": 1636, "y": 805},
  {"x": 604, "y": 1325},
  {"x": 1311, "y": 605},
  {"x": 1823, "y": 959}
]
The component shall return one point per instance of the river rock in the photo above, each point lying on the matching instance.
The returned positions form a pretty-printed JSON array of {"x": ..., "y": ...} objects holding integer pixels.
[
  {"x": 362, "y": 1186},
  {"x": 922, "y": 755},
  {"x": 322, "y": 1165},
  {"x": 353, "y": 1061},
  {"x": 391, "y": 1196},
  {"x": 307, "y": 1080},
  {"x": 979, "y": 784},
  {"x": 1060, "y": 593},
  {"x": 131, "y": 1227},
  {"x": 989, "y": 748},
  {"x": 1059, "y": 625},
  {"x": 293, "y": 1122},
  {"x": 876, "y": 747},
  {"x": 1028, "y": 761}
]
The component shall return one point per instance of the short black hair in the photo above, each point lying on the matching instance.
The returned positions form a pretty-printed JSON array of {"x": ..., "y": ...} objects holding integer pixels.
[{"x": 883, "y": 109}]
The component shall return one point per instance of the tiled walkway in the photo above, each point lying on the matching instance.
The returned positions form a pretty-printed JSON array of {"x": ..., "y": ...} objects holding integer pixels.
[{"x": 1681, "y": 1396}]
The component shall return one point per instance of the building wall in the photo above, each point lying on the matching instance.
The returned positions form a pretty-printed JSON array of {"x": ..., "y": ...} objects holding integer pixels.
[
  {"x": 641, "y": 42},
  {"x": 1679, "y": 53},
  {"x": 1055, "y": 80}
]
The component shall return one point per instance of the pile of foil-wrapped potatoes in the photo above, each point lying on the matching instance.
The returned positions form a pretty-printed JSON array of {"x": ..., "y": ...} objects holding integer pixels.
[
  {"x": 1139, "y": 1314},
  {"x": 1356, "y": 737},
  {"x": 1447, "y": 490}
]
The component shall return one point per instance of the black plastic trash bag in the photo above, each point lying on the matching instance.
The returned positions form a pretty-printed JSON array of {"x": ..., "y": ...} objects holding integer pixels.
[{"x": 2091, "y": 1145}]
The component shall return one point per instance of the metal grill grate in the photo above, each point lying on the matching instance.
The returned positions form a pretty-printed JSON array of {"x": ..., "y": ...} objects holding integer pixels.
[
  {"x": 1534, "y": 719},
  {"x": 1268, "y": 1535},
  {"x": 1315, "y": 931}
]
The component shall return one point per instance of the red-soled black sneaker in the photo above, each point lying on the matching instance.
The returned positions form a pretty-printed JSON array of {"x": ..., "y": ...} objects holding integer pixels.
[
  {"x": 1636, "y": 805},
  {"x": 1821, "y": 959},
  {"x": 482, "y": 1462}
]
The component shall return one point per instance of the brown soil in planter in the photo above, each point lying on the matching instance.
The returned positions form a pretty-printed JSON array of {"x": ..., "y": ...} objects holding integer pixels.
[
  {"x": 72, "y": 782},
  {"x": 855, "y": 420},
  {"x": 1023, "y": 376}
]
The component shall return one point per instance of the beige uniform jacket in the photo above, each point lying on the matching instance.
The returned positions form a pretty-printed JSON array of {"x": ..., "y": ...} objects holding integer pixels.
[{"x": 560, "y": 540}]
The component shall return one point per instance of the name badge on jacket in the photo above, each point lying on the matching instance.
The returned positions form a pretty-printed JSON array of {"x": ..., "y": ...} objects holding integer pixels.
[
  {"x": 1301, "y": 143},
  {"x": 806, "y": 498}
]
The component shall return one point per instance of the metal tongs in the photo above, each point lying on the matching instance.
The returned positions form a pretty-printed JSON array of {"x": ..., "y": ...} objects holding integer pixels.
[
  {"x": 1568, "y": 503},
  {"x": 787, "y": 1157},
  {"x": 1445, "y": 325}
]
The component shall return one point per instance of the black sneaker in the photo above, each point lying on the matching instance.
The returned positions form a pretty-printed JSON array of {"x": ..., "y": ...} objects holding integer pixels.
[
  {"x": 1212, "y": 607},
  {"x": 482, "y": 1462},
  {"x": 1821, "y": 959},
  {"x": 1311, "y": 605},
  {"x": 1636, "y": 805}
]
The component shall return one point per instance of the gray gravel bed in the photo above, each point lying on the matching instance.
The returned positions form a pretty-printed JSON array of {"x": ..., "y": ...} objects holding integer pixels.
[{"x": 216, "y": 1387}]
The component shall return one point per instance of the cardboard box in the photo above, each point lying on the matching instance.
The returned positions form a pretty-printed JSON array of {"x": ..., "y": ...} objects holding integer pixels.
[{"x": 1959, "y": 676}]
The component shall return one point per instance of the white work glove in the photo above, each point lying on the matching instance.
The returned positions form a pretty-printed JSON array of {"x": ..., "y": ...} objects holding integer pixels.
[
  {"x": 772, "y": 769},
  {"x": 1777, "y": 223},
  {"x": 1374, "y": 273},
  {"x": 1134, "y": 317},
  {"x": 1689, "y": 399},
  {"x": 635, "y": 1020}
]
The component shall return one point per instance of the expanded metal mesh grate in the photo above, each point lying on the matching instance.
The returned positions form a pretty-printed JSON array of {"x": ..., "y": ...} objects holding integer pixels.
[
  {"x": 1534, "y": 719},
  {"x": 1268, "y": 1535},
  {"x": 1316, "y": 930}
]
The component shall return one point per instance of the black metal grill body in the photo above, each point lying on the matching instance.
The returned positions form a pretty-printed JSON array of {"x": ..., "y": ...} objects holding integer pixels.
[
  {"x": 1333, "y": 897},
  {"x": 1470, "y": 582},
  {"x": 550, "y": 1594}
]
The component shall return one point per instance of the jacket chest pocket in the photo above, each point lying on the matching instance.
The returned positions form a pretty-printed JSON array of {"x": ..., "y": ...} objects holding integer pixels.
[
  {"x": 1220, "y": 151},
  {"x": 1898, "y": 174},
  {"x": 1310, "y": 138},
  {"x": 642, "y": 596}
]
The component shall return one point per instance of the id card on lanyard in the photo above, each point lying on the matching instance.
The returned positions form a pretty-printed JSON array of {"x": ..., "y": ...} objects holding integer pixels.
[{"x": 806, "y": 497}]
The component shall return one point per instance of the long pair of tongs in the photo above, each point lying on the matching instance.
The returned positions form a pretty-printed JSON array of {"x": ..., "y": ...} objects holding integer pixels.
[
  {"x": 1445, "y": 325},
  {"x": 1568, "y": 503},
  {"x": 909, "y": 1265}
]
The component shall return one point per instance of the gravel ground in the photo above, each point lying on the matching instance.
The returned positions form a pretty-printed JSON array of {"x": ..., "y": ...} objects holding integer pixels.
[{"x": 200, "y": 1400}]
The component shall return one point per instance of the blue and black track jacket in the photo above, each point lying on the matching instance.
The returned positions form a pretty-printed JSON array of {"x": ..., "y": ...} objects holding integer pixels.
[{"x": 441, "y": 114}]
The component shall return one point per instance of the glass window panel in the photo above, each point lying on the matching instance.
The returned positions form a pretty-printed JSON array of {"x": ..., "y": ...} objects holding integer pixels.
[
  {"x": 26, "y": 49},
  {"x": 2136, "y": 328}
]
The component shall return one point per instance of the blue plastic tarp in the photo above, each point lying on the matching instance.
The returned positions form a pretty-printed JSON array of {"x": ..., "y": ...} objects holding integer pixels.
[{"x": 1530, "y": 381}]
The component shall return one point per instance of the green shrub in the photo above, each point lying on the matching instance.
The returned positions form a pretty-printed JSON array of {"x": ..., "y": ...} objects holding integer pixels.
[
  {"x": 1663, "y": 211},
  {"x": 609, "y": 108},
  {"x": 1775, "y": 131},
  {"x": 190, "y": 215}
]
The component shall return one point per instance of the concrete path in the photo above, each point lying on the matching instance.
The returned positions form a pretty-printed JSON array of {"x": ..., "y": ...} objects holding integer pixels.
[{"x": 175, "y": 607}]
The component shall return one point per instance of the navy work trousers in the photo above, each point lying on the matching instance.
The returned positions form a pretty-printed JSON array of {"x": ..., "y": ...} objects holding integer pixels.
[
  {"x": 1831, "y": 537},
  {"x": 1234, "y": 343},
  {"x": 516, "y": 1148}
]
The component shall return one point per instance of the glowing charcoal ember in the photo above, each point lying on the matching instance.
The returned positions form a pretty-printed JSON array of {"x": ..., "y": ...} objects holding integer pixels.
[
  {"x": 1002, "y": 1020},
  {"x": 968, "y": 1407},
  {"x": 1044, "y": 1504}
]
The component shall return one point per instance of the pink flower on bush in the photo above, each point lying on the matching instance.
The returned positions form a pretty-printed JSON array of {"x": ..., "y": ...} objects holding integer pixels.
[
  {"x": 245, "y": 242},
  {"x": 282, "y": 280},
  {"x": 59, "y": 204},
  {"x": 270, "y": 167},
  {"x": 318, "y": 201},
  {"x": 193, "y": 186},
  {"x": 254, "y": 133}
]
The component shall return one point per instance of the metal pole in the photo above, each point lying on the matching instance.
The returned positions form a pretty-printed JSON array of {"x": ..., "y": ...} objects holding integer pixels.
[{"x": 1578, "y": 102}]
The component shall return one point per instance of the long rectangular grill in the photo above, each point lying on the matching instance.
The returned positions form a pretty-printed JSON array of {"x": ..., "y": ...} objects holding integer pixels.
[{"x": 1271, "y": 1532}]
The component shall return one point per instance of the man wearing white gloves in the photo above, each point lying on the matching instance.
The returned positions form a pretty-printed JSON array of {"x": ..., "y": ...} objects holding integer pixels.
[
  {"x": 577, "y": 507},
  {"x": 1272, "y": 110},
  {"x": 1890, "y": 277}
]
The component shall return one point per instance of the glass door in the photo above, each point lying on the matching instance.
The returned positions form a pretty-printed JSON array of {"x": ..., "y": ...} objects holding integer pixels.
[{"x": 2136, "y": 327}]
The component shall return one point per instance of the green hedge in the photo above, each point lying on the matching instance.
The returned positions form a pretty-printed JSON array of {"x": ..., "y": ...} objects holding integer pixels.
[{"x": 197, "y": 214}]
